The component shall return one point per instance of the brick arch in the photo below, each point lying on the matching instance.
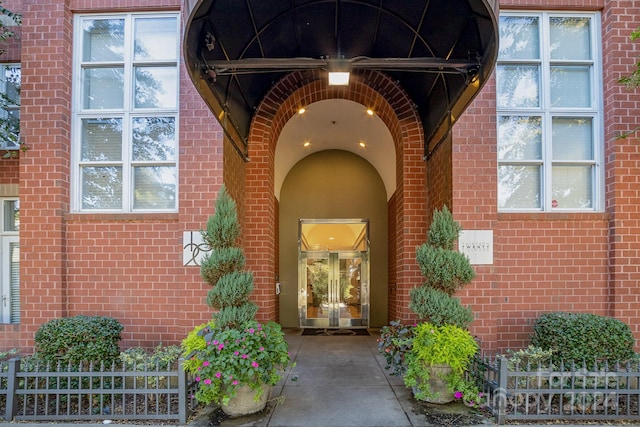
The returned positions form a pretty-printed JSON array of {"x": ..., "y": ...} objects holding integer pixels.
[{"x": 407, "y": 222}]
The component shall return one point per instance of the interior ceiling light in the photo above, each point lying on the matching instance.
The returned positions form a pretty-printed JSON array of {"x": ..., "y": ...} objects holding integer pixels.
[
  {"x": 302, "y": 110},
  {"x": 306, "y": 144},
  {"x": 370, "y": 112},
  {"x": 363, "y": 144}
]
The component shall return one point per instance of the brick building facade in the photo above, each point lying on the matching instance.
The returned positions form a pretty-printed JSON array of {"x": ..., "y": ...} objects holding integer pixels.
[{"x": 129, "y": 264}]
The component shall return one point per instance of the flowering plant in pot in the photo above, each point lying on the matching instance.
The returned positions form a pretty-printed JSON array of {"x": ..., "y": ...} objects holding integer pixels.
[
  {"x": 442, "y": 347},
  {"x": 233, "y": 356},
  {"x": 448, "y": 348}
]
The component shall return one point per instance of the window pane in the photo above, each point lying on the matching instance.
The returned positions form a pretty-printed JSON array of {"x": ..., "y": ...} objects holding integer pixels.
[
  {"x": 519, "y": 187},
  {"x": 519, "y": 138},
  {"x": 11, "y": 214},
  {"x": 103, "y": 88},
  {"x": 101, "y": 140},
  {"x": 570, "y": 87},
  {"x": 570, "y": 38},
  {"x": 518, "y": 86},
  {"x": 102, "y": 187},
  {"x": 572, "y": 187},
  {"x": 519, "y": 37},
  {"x": 154, "y": 138},
  {"x": 103, "y": 40},
  {"x": 572, "y": 138},
  {"x": 156, "y": 87},
  {"x": 155, "y": 38},
  {"x": 12, "y": 80},
  {"x": 10, "y": 105},
  {"x": 14, "y": 280},
  {"x": 155, "y": 187}
]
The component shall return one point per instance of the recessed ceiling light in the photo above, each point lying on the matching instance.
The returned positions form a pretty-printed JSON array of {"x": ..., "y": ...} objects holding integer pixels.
[
  {"x": 363, "y": 144},
  {"x": 306, "y": 143},
  {"x": 370, "y": 112},
  {"x": 302, "y": 110}
]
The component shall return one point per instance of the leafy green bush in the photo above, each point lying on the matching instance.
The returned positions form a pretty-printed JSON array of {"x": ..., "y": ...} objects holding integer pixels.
[
  {"x": 439, "y": 308},
  {"x": 79, "y": 339},
  {"x": 574, "y": 337}
]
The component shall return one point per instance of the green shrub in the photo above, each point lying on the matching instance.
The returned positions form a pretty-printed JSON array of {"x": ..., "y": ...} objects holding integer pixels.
[
  {"x": 574, "y": 337},
  {"x": 439, "y": 308},
  {"x": 79, "y": 339}
]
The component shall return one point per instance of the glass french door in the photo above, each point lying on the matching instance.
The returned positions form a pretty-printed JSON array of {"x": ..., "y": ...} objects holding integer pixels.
[{"x": 334, "y": 284}]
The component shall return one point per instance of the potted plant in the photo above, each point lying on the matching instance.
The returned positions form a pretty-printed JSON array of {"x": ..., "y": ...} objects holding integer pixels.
[
  {"x": 234, "y": 358},
  {"x": 442, "y": 348},
  {"x": 438, "y": 361}
]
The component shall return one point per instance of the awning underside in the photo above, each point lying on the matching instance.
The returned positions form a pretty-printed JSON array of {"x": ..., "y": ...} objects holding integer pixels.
[{"x": 440, "y": 51}]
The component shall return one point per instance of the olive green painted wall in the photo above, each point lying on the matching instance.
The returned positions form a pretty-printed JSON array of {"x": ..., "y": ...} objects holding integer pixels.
[{"x": 333, "y": 184}]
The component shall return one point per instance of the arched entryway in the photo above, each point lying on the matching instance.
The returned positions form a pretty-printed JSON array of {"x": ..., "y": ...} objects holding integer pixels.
[
  {"x": 406, "y": 216},
  {"x": 416, "y": 63}
]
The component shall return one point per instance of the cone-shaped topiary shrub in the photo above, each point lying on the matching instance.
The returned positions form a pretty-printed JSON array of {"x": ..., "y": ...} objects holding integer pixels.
[
  {"x": 445, "y": 271},
  {"x": 223, "y": 267}
]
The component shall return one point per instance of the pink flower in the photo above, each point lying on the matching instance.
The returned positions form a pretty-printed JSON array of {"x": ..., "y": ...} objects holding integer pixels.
[
  {"x": 218, "y": 374},
  {"x": 205, "y": 363},
  {"x": 235, "y": 353},
  {"x": 251, "y": 330},
  {"x": 221, "y": 346},
  {"x": 261, "y": 348},
  {"x": 197, "y": 379},
  {"x": 254, "y": 364},
  {"x": 457, "y": 395},
  {"x": 480, "y": 394},
  {"x": 215, "y": 342},
  {"x": 245, "y": 356},
  {"x": 207, "y": 381},
  {"x": 235, "y": 383}
]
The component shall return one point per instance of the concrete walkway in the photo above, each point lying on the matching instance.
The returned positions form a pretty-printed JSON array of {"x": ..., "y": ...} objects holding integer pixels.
[{"x": 338, "y": 380}]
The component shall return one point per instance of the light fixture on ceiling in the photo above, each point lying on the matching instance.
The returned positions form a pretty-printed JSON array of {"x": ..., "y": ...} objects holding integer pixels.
[
  {"x": 302, "y": 110},
  {"x": 339, "y": 72},
  {"x": 370, "y": 112},
  {"x": 306, "y": 144},
  {"x": 363, "y": 144}
]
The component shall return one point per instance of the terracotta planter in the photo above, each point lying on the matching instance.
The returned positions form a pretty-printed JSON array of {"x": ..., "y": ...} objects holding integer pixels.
[
  {"x": 438, "y": 384},
  {"x": 245, "y": 403}
]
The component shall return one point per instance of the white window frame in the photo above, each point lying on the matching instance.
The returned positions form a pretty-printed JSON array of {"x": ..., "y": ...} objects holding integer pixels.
[
  {"x": 126, "y": 114},
  {"x": 9, "y": 313},
  {"x": 4, "y": 112},
  {"x": 548, "y": 113}
]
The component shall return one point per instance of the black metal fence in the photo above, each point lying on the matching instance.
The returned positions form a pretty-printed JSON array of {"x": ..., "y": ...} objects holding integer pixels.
[
  {"x": 115, "y": 392},
  {"x": 587, "y": 392}
]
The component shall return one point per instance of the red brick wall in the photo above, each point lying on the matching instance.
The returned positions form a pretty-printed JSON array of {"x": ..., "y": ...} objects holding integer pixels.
[
  {"x": 552, "y": 261},
  {"x": 126, "y": 266},
  {"x": 622, "y": 157}
]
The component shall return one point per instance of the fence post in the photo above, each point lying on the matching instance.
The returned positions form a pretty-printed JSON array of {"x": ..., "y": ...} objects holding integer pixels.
[
  {"x": 183, "y": 399},
  {"x": 502, "y": 389},
  {"x": 12, "y": 386}
]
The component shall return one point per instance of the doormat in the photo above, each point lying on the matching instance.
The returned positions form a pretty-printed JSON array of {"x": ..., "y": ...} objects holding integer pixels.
[{"x": 333, "y": 332}]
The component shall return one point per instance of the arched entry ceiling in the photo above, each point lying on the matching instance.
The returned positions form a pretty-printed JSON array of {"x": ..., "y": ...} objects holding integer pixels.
[
  {"x": 440, "y": 51},
  {"x": 336, "y": 124}
]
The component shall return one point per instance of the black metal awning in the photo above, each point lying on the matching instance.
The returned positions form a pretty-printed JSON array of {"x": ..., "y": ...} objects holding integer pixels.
[{"x": 440, "y": 51}]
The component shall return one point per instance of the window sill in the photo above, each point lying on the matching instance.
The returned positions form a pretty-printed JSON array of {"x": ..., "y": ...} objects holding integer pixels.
[
  {"x": 553, "y": 216},
  {"x": 130, "y": 217}
]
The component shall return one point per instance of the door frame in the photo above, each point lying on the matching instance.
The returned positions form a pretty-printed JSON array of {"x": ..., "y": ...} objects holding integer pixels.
[{"x": 365, "y": 290}]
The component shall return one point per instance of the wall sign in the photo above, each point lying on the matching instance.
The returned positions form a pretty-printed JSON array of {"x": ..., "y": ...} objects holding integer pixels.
[
  {"x": 193, "y": 248},
  {"x": 477, "y": 245}
]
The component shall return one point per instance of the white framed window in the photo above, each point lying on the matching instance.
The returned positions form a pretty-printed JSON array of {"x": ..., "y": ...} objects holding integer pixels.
[
  {"x": 549, "y": 112},
  {"x": 125, "y": 141},
  {"x": 10, "y": 260},
  {"x": 10, "y": 84}
]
